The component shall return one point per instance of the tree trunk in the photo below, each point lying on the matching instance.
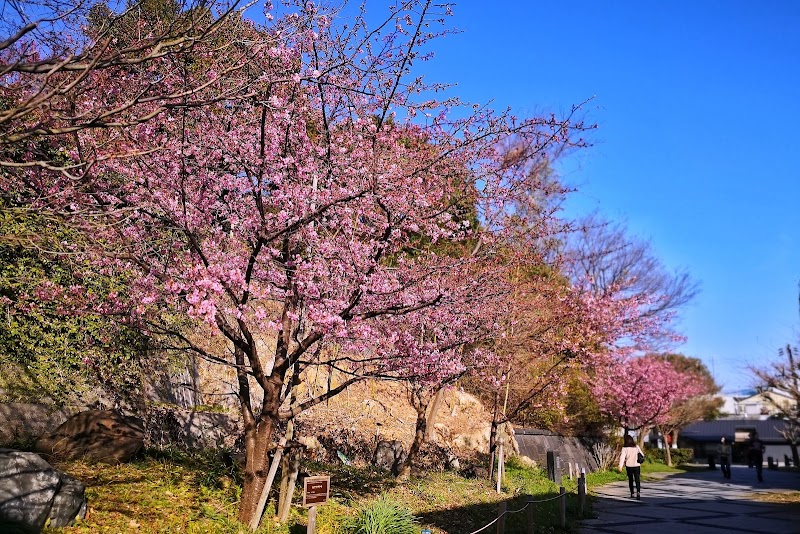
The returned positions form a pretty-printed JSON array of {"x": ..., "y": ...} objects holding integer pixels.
[
  {"x": 640, "y": 436},
  {"x": 795, "y": 455},
  {"x": 493, "y": 437},
  {"x": 667, "y": 452},
  {"x": 437, "y": 401},
  {"x": 258, "y": 441},
  {"x": 404, "y": 470}
]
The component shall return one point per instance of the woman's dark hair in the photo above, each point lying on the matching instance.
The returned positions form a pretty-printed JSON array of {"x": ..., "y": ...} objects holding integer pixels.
[{"x": 629, "y": 441}]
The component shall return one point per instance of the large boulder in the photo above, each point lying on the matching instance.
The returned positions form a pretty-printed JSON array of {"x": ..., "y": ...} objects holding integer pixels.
[
  {"x": 389, "y": 455},
  {"x": 172, "y": 427},
  {"x": 33, "y": 492},
  {"x": 94, "y": 435}
]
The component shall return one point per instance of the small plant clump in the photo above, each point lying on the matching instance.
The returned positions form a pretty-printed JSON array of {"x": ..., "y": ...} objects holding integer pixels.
[{"x": 382, "y": 516}]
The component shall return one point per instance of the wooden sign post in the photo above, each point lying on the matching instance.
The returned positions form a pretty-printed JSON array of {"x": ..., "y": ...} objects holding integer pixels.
[{"x": 315, "y": 492}]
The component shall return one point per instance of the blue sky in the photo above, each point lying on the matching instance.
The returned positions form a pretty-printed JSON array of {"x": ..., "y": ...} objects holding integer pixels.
[{"x": 697, "y": 104}]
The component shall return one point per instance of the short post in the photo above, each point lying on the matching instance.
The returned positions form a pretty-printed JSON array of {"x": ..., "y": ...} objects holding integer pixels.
[
  {"x": 583, "y": 474},
  {"x": 315, "y": 492},
  {"x": 581, "y": 493},
  {"x": 312, "y": 520},
  {"x": 501, "y": 517},
  {"x": 551, "y": 465},
  {"x": 570, "y": 470},
  {"x": 557, "y": 479},
  {"x": 530, "y": 513},
  {"x": 499, "y": 466},
  {"x": 563, "y": 501}
]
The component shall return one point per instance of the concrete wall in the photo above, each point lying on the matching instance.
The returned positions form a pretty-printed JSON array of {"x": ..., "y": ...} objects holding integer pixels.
[{"x": 534, "y": 444}]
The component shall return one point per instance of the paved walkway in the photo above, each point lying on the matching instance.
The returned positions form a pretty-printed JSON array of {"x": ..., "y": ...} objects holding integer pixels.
[{"x": 698, "y": 503}]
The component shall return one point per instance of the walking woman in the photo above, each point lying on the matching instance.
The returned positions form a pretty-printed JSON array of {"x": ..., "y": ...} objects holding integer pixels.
[{"x": 630, "y": 458}]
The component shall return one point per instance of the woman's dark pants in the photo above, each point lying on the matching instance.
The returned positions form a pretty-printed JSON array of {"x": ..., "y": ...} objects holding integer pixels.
[
  {"x": 725, "y": 465},
  {"x": 634, "y": 475}
]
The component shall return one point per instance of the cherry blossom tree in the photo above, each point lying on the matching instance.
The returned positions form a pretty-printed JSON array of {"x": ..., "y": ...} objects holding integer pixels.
[
  {"x": 614, "y": 268},
  {"x": 704, "y": 405},
  {"x": 297, "y": 212},
  {"x": 639, "y": 392},
  {"x": 606, "y": 259},
  {"x": 55, "y": 54},
  {"x": 553, "y": 330}
]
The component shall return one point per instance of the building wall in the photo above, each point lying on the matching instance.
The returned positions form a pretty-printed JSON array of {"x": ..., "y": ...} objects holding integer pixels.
[{"x": 703, "y": 449}]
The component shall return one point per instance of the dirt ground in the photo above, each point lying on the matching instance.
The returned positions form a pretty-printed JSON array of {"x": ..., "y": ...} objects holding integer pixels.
[{"x": 355, "y": 420}]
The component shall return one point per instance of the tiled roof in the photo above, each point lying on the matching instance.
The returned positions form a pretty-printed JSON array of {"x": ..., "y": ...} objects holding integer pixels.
[{"x": 712, "y": 430}]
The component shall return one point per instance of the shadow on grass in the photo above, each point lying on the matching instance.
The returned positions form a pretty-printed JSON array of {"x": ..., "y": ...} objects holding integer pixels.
[
  {"x": 353, "y": 482},
  {"x": 546, "y": 515}
]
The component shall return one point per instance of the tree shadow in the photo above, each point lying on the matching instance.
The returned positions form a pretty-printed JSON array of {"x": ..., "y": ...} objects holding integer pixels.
[
  {"x": 546, "y": 515},
  {"x": 701, "y": 501},
  {"x": 352, "y": 482}
]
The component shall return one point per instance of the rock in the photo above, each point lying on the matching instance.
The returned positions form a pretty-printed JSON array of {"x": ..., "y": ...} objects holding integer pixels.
[
  {"x": 172, "y": 427},
  {"x": 473, "y": 471},
  {"x": 33, "y": 492},
  {"x": 24, "y": 422},
  {"x": 311, "y": 443},
  {"x": 389, "y": 455},
  {"x": 452, "y": 463},
  {"x": 94, "y": 435},
  {"x": 527, "y": 462},
  {"x": 476, "y": 439}
]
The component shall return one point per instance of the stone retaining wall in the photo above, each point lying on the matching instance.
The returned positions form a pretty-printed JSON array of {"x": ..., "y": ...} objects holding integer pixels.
[
  {"x": 20, "y": 422},
  {"x": 164, "y": 427},
  {"x": 534, "y": 444}
]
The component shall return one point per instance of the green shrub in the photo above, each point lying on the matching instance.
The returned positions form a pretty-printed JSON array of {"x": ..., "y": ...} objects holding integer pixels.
[
  {"x": 682, "y": 456},
  {"x": 382, "y": 516},
  {"x": 679, "y": 456}
]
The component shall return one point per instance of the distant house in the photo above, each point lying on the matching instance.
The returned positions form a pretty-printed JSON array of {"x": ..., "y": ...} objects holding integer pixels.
[
  {"x": 756, "y": 404},
  {"x": 704, "y": 436}
]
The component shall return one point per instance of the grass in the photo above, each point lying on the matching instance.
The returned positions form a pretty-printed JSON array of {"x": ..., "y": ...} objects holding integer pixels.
[
  {"x": 650, "y": 471},
  {"x": 792, "y": 498},
  {"x": 178, "y": 493},
  {"x": 160, "y": 493},
  {"x": 382, "y": 516}
]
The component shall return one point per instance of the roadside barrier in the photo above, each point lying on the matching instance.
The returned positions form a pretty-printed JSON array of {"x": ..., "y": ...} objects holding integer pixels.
[{"x": 530, "y": 509}]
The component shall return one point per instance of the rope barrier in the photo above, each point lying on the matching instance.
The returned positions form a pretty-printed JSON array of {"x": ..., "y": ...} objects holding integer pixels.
[
  {"x": 546, "y": 500},
  {"x": 484, "y": 527},
  {"x": 507, "y": 512}
]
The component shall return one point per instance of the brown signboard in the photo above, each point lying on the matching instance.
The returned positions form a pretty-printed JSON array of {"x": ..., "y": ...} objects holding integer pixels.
[{"x": 316, "y": 490}]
